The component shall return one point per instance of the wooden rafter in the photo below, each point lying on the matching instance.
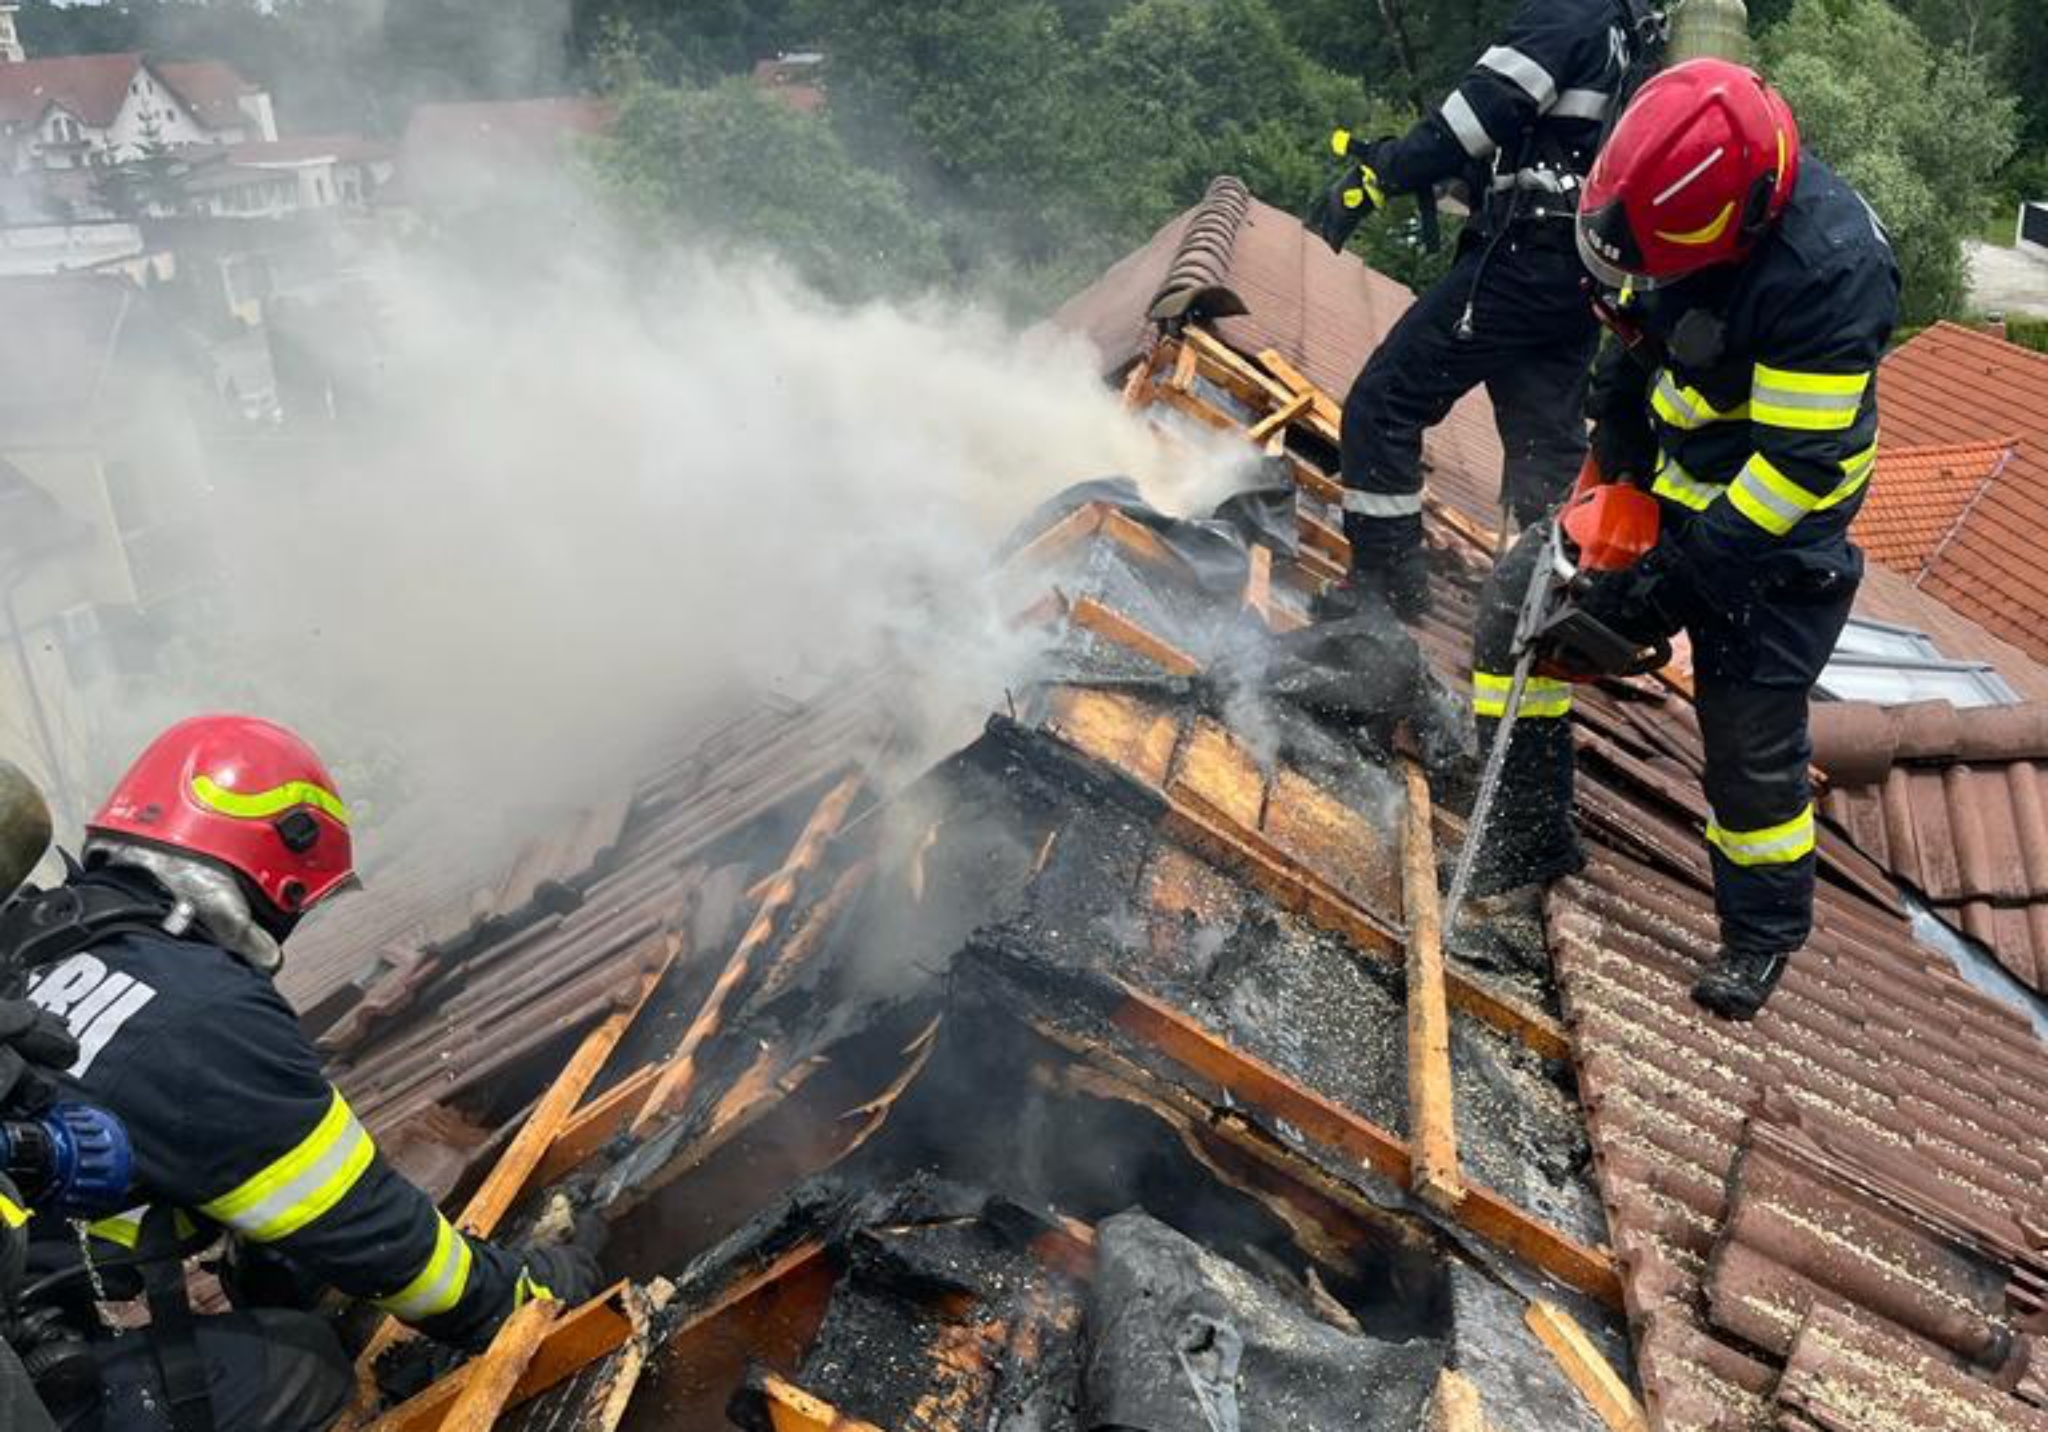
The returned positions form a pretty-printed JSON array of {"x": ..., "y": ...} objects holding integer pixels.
[
  {"x": 1113, "y": 626},
  {"x": 1432, "y": 1116},
  {"x": 671, "y": 1090},
  {"x": 517, "y": 1168},
  {"x": 1262, "y": 1087},
  {"x": 1586, "y": 1367},
  {"x": 499, "y": 1367},
  {"x": 571, "y": 1342}
]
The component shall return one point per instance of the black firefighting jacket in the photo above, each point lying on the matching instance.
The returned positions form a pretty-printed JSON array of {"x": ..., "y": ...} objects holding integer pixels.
[
  {"x": 1522, "y": 129},
  {"x": 235, "y": 1126},
  {"x": 1759, "y": 384}
]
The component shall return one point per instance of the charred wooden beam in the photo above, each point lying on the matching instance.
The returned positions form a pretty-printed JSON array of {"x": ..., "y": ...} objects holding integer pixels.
[
  {"x": 773, "y": 1404},
  {"x": 671, "y": 1090},
  {"x": 1060, "y": 538},
  {"x": 1432, "y": 1116},
  {"x": 1262, "y": 1087},
  {"x": 769, "y": 1317}
]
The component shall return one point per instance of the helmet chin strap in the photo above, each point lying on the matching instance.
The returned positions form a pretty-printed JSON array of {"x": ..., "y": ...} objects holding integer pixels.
[{"x": 204, "y": 893}]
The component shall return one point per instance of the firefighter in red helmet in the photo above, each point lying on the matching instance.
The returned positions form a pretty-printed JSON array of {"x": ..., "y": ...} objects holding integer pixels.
[
  {"x": 158, "y": 953},
  {"x": 1750, "y": 293}
]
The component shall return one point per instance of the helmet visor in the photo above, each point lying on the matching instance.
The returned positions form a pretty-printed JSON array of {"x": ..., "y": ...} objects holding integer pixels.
[{"x": 1607, "y": 272}]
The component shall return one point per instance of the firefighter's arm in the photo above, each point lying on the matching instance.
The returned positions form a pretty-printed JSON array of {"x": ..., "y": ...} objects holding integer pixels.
[
  {"x": 1813, "y": 421},
  {"x": 265, "y": 1146},
  {"x": 1516, "y": 82}
]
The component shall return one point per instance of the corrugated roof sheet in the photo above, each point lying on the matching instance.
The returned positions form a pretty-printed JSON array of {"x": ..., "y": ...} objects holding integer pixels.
[
  {"x": 1955, "y": 385},
  {"x": 1925, "y": 496}
]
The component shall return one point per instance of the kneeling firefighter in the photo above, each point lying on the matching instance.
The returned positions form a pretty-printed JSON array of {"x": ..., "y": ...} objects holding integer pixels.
[
  {"x": 1752, "y": 293},
  {"x": 158, "y": 953}
]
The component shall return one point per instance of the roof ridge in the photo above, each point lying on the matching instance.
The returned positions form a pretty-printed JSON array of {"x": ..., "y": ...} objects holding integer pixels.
[
  {"x": 1196, "y": 282},
  {"x": 1968, "y": 510}
]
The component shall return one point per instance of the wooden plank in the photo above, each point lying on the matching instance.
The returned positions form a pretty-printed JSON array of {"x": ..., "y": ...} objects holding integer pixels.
[
  {"x": 1258, "y": 586},
  {"x": 1432, "y": 1116},
  {"x": 769, "y": 1318},
  {"x": 1055, "y": 541},
  {"x": 597, "y": 1124},
  {"x": 517, "y": 1165},
  {"x": 524, "y": 1158},
  {"x": 1142, "y": 542},
  {"x": 672, "y": 1089},
  {"x": 1583, "y": 1364},
  {"x": 1328, "y": 415},
  {"x": 1262, "y": 1087},
  {"x": 1185, "y": 361},
  {"x": 493, "y": 1375},
  {"x": 1274, "y": 424},
  {"x": 791, "y": 1409},
  {"x": 1114, "y": 626},
  {"x": 572, "y": 1342},
  {"x": 1138, "y": 382},
  {"x": 1455, "y": 1407}
]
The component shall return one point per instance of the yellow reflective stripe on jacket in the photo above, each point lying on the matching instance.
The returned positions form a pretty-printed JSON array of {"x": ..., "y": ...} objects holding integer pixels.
[
  {"x": 1855, "y": 475},
  {"x": 1542, "y": 698},
  {"x": 279, "y": 1200},
  {"x": 1807, "y": 402},
  {"x": 262, "y": 805},
  {"x": 12, "y": 1214},
  {"x": 1774, "y": 845},
  {"x": 1687, "y": 409},
  {"x": 122, "y": 1228},
  {"x": 1679, "y": 486},
  {"x": 1776, "y": 503},
  {"x": 440, "y": 1285}
]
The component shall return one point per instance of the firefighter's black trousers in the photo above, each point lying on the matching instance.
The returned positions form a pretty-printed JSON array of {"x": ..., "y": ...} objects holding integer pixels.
[
  {"x": 1531, "y": 344},
  {"x": 1752, "y": 708},
  {"x": 268, "y": 1371}
]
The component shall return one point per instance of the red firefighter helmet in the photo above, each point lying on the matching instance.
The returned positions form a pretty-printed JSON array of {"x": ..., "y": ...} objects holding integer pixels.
[
  {"x": 243, "y": 793},
  {"x": 1701, "y": 165}
]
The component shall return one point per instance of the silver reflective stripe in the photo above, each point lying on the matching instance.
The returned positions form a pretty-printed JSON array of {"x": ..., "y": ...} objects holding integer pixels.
[
  {"x": 1537, "y": 181},
  {"x": 1464, "y": 123},
  {"x": 1582, "y": 104},
  {"x": 440, "y": 1284},
  {"x": 1682, "y": 487},
  {"x": 1533, "y": 78},
  {"x": 1382, "y": 504},
  {"x": 1770, "y": 395},
  {"x": 1688, "y": 415},
  {"x": 1751, "y": 486}
]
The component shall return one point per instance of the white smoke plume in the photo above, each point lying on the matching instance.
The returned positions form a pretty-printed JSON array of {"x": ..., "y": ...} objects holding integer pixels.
[{"x": 586, "y": 510}]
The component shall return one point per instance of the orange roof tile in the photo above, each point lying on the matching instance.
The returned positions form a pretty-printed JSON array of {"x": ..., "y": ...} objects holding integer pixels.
[
  {"x": 1922, "y": 496},
  {"x": 1954, "y": 385}
]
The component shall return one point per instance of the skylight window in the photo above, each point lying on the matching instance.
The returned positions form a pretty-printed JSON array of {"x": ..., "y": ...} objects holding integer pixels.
[{"x": 1895, "y": 665}]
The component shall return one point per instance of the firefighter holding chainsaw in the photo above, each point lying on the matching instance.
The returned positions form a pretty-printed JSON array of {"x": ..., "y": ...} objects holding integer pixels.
[{"x": 1751, "y": 293}]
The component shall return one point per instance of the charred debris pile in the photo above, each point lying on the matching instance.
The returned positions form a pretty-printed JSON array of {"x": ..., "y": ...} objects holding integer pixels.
[{"x": 1107, "y": 1073}]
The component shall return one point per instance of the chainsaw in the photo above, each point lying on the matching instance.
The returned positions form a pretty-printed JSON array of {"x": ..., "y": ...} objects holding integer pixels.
[{"x": 1603, "y": 528}]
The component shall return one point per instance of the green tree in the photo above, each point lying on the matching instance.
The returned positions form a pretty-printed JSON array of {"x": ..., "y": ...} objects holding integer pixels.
[
  {"x": 1921, "y": 133},
  {"x": 727, "y": 166}
]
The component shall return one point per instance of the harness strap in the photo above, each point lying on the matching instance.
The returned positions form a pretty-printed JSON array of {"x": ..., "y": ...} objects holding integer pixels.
[{"x": 173, "y": 1334}]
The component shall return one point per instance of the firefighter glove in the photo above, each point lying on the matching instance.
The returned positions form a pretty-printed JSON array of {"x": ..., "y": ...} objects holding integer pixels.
[
  {"x": 34, "y": 1047},
  {"x": 567, "y": 1273},
  {"x": 1352, "y": 197}
]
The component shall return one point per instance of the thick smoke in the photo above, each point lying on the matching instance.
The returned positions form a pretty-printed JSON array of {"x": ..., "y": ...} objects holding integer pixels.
[{"x": 581, "y": 513}]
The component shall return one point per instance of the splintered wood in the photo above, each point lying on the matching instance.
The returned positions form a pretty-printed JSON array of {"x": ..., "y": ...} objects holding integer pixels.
[
  {"x": 791, "y": 1409},
  {"x": 1432, "y": 1119},
  {"x": 672, "y": 1089},
  {"x": 1455, "y": 1407},
  {"x": 497, "y": 1371}
]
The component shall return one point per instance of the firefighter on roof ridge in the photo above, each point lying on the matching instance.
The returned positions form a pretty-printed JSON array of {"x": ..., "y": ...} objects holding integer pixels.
[{"x": 1519, "y": 133}]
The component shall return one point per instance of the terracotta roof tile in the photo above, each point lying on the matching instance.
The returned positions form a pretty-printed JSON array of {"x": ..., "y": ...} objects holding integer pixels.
[
  {"x": 1953, "y": 385},
  {"x": 1922, "y": 496},
  {"x": 211, "y": 89}
]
